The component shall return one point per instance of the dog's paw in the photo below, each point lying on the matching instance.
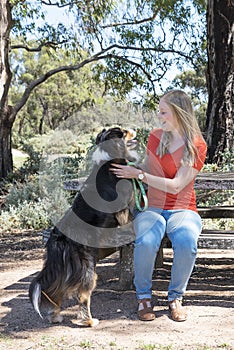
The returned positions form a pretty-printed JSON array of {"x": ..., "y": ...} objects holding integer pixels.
[
  {"x": 90, "y": 322},
  {"x": 94, "y": 322},
  {"x": 55, "y": 319}
]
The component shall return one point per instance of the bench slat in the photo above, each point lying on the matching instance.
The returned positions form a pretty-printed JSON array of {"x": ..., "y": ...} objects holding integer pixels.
[
  {"x": 216, "y": 239},
  {"x": 203, "y": 181},
  {"x": 229, "y": 233},
  {"x": 216, "y": 212},
  {"x": 215, "y": 181}
]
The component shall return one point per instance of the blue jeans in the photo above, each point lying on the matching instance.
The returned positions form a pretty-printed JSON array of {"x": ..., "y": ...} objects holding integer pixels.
[{"x": 183, "y": 228}]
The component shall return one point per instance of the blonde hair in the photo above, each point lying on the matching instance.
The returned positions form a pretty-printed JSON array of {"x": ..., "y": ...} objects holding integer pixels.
[{"x": 181, "y": 107}]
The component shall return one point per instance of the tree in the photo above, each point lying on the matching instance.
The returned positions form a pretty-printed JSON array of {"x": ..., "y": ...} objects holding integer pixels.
[
  {"x": 129, "y": 38},
  {"x": 220, "y": 111},
  {"x": 6, "y": 117},
  {"x": 57, "y": 99}
]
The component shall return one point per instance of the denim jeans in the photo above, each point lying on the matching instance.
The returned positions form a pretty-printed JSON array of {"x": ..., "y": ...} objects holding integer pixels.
[{"x": 183, "y": 228}]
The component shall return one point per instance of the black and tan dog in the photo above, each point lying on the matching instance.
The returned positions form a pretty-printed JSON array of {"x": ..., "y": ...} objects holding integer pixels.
[{"x": 74, "y": 245}]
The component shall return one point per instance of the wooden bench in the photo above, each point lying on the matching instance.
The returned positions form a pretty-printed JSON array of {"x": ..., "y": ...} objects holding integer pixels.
[
  {"x": 209, "y": 239},
  {"x": 216, "y": 239}
]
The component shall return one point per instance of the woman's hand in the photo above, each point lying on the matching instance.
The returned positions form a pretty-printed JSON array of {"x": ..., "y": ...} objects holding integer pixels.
[{"x": 125, "y": 171}]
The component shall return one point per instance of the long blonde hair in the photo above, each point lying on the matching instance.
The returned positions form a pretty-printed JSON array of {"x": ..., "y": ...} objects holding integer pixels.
[{"x": 181, "y": 107}]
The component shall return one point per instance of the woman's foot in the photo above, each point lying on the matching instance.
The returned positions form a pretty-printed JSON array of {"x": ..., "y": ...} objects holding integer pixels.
[
  {"x": 177, "y": 311},
  {"x": 145, "y": 310}
]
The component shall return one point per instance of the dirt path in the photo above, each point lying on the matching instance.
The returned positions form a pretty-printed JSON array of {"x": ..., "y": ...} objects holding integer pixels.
[{"x": 209, "y": 302}]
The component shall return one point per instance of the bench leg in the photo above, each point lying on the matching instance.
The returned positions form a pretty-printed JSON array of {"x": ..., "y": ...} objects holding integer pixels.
[
  {"x": 126, "y": 267},
  {"x": 159, "y": 258},
  {"x": 126, "y": 264}
]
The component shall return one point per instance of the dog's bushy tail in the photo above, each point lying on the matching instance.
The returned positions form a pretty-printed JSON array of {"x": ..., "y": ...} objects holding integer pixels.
[
  {"x": 35, "y": 295},
  {"x": 69, "y": 270}
]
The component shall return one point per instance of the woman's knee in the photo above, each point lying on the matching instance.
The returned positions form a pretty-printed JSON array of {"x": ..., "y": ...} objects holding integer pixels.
[
  {"x": 148, "y": 242},
  {"x": 149, "y": 225},
  {"x": 183, "y": 230},
  {"x": 185, "y": 242}
]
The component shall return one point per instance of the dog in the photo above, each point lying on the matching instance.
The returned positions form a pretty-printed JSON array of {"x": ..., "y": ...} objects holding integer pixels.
[{"x": 70, "y": 264}]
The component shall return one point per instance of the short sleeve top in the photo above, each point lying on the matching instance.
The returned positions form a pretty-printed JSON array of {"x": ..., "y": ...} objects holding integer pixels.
[{"x": 167, "y": 167}]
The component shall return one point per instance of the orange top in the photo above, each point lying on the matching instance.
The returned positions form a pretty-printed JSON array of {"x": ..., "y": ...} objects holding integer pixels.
[{"x": 167, "y": 167}]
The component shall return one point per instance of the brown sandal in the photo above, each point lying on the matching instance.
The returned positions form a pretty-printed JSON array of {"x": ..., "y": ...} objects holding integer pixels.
[
  {"x": 146, "y": 313},
  {"x": 177, "y": 311}
]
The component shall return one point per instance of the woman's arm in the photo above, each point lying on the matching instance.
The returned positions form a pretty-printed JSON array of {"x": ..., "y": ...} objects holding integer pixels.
[{"x": 182, "y": 178}]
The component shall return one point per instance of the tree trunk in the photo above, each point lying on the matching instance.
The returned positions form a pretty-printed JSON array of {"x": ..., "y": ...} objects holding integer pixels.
[
  {"x": 6, "y": 115},
  {"x": 6, "y": 161},
  {"x": 220, "y": 111}
]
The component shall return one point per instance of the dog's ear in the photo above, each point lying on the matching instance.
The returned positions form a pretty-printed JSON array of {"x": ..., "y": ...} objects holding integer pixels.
[
  {"x": 114, "y": 133},
  {"x": 109, "y": 134},
  {"x": 117, "y": 132},
  {"x": 99, "y": 136}
]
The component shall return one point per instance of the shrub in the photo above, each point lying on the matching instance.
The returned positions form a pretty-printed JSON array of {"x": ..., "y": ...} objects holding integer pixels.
[
  {"x": 60, "y": 142},
  {"x": 26, "y": 215},
  {"x": 19, "y": 192},
  {"x": 34, "y": 203}
]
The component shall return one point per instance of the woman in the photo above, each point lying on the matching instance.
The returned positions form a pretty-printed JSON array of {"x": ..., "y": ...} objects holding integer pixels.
[{"x": 175, "y": 154}]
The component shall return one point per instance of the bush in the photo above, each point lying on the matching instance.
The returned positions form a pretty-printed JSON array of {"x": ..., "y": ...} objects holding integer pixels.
[
  {"x": 36, "y": 203},
  {"x": 60, "y": 142},
  {"x": 26, "y": 215},
  {"x": 19, "y": 192}
]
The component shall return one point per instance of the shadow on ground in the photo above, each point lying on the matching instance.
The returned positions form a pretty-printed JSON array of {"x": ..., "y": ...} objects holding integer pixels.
[{"x": 211, "y": 284}]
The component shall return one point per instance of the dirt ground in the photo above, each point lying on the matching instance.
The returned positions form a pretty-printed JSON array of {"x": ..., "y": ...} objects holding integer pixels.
[{"x": 209, "y": 302}]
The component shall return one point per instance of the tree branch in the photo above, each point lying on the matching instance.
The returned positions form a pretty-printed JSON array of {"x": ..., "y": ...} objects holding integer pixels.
[
  {"x": 149, "y": 19},
  {"x": 50, "y": 3},
  {"x": 49, "y": 74},
  {"x": 154, "y": 49},
  {"x": 38, "y": 48},
  {"x": 98, "y": 56}
]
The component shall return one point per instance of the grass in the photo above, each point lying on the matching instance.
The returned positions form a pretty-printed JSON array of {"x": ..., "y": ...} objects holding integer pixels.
[
  {"x": 154, "y": 347},
  {"x": 65, "y": 343},
  {"x": 19, "y": 158}
]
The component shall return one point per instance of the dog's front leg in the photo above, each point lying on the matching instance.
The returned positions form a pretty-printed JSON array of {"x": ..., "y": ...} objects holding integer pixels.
[{"x": 84, "y": 306}]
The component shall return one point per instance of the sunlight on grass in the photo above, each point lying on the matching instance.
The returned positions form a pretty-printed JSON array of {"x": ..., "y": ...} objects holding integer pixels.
[{"x": 19, "y": 158}]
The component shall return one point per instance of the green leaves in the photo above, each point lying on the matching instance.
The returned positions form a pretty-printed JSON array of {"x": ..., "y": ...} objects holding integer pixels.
[{"x": 141, "y": 39}]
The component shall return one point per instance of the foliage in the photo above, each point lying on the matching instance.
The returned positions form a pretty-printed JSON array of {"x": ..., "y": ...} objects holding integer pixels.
[
  {"x": 57, "y": 99},
  {"x": 194, "y": 82},
  {"x": 59, "y": 142},
  {"x": 72, "y": 134},
  {"x": 207, "y": 198},
  {"x": 226, "y": 166},
  {"x": 35, "y": 196},
  {"x": 227, "y": 160},
  {"x": 28, "y": 205},
  {"x": 31, "y": 164},
  {"x": 142, "y": 136},
  {"x": 19, "y": 192},
  {"x": 26, "y": 215},
  {"x": 136, "y": 41},
  {"x": 106, "y": 48}
]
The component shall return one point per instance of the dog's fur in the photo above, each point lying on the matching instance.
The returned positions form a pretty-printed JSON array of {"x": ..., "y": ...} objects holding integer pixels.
[{"x": 69, "y": 266}]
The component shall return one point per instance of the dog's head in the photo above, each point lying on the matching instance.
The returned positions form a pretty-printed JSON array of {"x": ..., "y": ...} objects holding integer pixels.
[{"x": 114, "y": 144}]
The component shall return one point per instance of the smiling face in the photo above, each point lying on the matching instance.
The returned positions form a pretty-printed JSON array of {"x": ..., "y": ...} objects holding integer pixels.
[{"x": 166, "y": 117}]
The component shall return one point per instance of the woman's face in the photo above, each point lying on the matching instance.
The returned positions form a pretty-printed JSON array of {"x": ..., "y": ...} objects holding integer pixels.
[{"x": 167, "y": 120}]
